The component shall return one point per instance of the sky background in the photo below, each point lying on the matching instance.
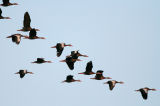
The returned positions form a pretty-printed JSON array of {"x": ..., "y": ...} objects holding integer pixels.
[{"x": 120, "y": 37}]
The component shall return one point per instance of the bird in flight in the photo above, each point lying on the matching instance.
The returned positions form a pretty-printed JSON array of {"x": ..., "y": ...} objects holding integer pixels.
[
  {"x": 41, "y": 60},
  {"x": 89, "y": 67},
  {"x": 70, "y": 62},
  {"x": 112, "y": 83},
  {"x": 75, "y": 54},
  {"x": 99, "y": 76},
  {"x": 60, "y": 47},
  {"x": 70, "y": 79},
  {"x": 16, "y": 38},
  {"x": 26, "y": 23},
  {"x": 23, "y": 72},
  {"x": 144, "y": 92},
  {"x": 33, "y": 35}
]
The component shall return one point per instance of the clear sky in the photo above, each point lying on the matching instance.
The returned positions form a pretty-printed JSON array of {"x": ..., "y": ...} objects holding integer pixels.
[{"x": 121, "y": 37}]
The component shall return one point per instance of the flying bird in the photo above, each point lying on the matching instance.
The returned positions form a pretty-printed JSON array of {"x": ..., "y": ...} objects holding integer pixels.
[
  {"x": 26, "y": 23},
  {"x": 75, "y": 54},
  {"x": 16, "y": 38},
  {"x": 1, "y": 17},
  {"x": 33, "y": 35},
  {"x": 41, "y": 60},
  {"x": 70, "y": 62},
  {"x": 88, "y": 69},
  {"x": 7, "y": 3},
  {"x": 99, "y": 76},
  {"x": 70, "y": 78},
  {"x": 23, "y": 72},
  {"x": 112, "y": 83},
  {"x": 144, "y": 92},
  {"x": 60, "y": 47}
]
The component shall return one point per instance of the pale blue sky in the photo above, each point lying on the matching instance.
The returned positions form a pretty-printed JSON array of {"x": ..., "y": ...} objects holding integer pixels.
[{"x": 121, "y": 37}]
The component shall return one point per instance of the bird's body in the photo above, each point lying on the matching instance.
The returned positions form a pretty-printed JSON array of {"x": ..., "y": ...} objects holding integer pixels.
[
  {"x": 60, "y": 48},
  {"x": 99, "y": 75},
  {"x": 7, "y": 3},
  {"x": 33, "y": 35},
  {"x": 1, "y": 17},
  {"x": 70, "y": 62},
  {"x": 23, "y": 72},
  {"x": 88, "y": 69},
  {"x": 144, "y": 92},
  {"x": 112, "y": 83},
  {"x": 26, "y": 23},
  {"x": 70, "y": 79},
  {"x": 41, "y": 60},
  {"x": 16, "y": 38}
]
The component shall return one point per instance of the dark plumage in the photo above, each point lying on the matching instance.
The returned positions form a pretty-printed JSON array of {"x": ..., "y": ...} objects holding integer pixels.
[
  {"x": 112, "y": 83},
  {"x": 7, "y": 3},
  {"x": 23, "y": 72},
  {"x": 88, "y": 69},
  {"x": 70, "y": 62},
  {"x": 76, "y": 54},
  {"x": 60, "y": 47},
  {"x": 33, "y": 35},
  {"x": 16, "y": 38},
  {"x": 99, "y": 75},
  {"x": 69, "y": 79},
  {"x": 144, "y": 92},
  {"x": 26, "y": 23},
  {"x": 41, "y": 60}
]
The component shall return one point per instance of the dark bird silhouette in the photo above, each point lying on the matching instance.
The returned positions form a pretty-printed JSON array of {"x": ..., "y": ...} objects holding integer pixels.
[
  {"x": 70, "y": 78},
  {"x": 76, "y": 54},
  {"x": 60, "y": 47},
  {"x": 41, "y": 60},
  {"x": 26, "y": 23},
  {"x": 99, "y": 76},
  {"x": 88, "y": 69},
  {"x": 33, "y": 35},
  {"x": 70, "y": 62},
  {"x": 23, "y": 72},
  {"x": 1, "y": 17},
  {"x": 7, "y": 3},
  {"x": 16, "y": 38},
  {"x": 112, "y": 83},
  {"x": 144, "y": 92}
]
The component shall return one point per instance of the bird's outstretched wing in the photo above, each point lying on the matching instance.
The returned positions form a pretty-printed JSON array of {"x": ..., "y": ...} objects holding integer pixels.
[
  {"x": 5, "y": 1},
  {"x": 89, "y": 67},
  {"x": 27, "y": 20}
]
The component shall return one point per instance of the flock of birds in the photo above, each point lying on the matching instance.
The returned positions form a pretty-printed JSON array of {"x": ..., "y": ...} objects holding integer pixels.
[{"x": 70, "y": 60}]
